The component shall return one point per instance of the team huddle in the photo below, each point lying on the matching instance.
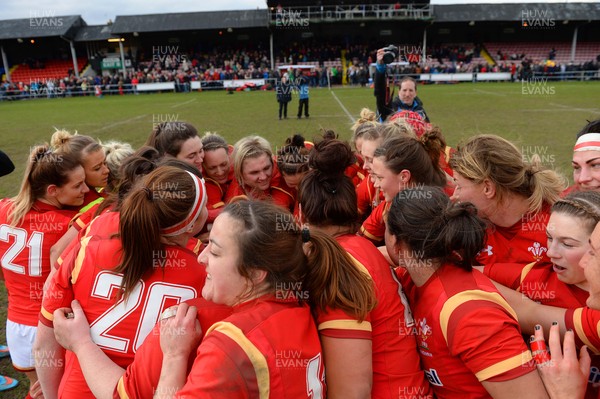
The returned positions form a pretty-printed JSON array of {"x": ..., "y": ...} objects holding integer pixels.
[{"x": 393, "y": 266}]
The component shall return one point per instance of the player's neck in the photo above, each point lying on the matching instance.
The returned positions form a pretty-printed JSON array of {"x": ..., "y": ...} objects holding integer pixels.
[{"x": 512, "y": 210}]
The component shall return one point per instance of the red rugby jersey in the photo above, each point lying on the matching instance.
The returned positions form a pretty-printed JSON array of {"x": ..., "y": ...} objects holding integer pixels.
[
  {"x": 374, "y": 226},
  {"x": 267, "y": 348},
  {"x": 390, "y": 326},
  {"x": 539, "y": 283},
  {"x": 118, "y": 327},
  {"x": 466, "y": 333},
  {"x": 25, "y": 256},
  {"x": 141, "y": 377},
  {"x": 523, "y": 243}
]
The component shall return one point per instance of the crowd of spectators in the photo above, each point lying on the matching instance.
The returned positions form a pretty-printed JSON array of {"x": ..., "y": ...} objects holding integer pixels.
[{"x": 182, "y": 67}]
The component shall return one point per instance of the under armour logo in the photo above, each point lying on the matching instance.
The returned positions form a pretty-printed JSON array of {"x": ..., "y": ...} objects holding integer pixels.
[{"x": 488, "y": 250}]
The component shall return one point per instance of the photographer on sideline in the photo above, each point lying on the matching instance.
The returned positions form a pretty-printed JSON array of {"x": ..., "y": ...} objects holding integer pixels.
[{"x": 407, "y": 99}]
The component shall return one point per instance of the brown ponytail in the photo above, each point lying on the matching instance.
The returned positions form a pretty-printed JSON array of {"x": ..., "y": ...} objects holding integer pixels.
[
  {"x": 161, "y": 199},
  {"x": 334, "y": 280},
  {"x": 269, "y": 239}
]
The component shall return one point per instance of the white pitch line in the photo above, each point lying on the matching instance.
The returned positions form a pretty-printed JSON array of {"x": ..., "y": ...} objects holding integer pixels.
[
  {"x": 183, "y": 103},
  {"x": 343, "y": 108},
  {"x": 489, "y": 92},
  {"x": 591, "y": 110},
  {"x": 118, "y": 123}
]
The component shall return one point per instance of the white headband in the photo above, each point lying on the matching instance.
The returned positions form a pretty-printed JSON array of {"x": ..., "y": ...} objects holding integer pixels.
[
  {"x": 199, "y": 203},
  {"x": 588, "y": 142}
]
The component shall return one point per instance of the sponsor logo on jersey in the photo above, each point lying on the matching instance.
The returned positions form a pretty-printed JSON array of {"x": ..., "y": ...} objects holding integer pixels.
[{"x": 433, "y": 377}]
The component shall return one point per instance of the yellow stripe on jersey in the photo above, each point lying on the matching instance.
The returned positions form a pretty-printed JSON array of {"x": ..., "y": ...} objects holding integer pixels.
[
  {"x": 121, "y": 389},
  {"x": 369, "y": 235},
  {"x": 504, "y": 366},
  {"x": 345, "y": 325},
  {"x": 524, "y": 273},
  {"x": 197, "y": 247},
  {"x": 359, "y": 265},
  {"x": 577, "y": 315},
  {"x": 46, "y": 314},
  {"x": 259, "y": 362},
  {"x": 470, "y": 295},
  {"x": 283, "y": 191},
  {"x": 218, "y": 205},
  {"x": 79, "y": 259}
]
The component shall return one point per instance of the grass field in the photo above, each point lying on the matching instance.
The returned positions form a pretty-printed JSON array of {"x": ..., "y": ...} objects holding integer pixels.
[{"x": 538, "y": 123}]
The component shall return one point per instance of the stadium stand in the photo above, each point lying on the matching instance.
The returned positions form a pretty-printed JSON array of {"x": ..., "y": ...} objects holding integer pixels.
[{"x": 212, "y": 47}]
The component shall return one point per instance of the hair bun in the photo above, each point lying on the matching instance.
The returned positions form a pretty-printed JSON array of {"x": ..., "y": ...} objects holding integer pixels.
[{"x": 331, "y": 157}]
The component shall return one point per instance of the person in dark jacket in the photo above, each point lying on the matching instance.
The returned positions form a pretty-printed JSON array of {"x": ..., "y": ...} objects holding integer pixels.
[
  {"x": 406, "y": 100},
  {"x": 284, "y": 95}
]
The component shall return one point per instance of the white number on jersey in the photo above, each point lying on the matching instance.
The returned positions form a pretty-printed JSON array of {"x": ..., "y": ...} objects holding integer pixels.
[
  {"x": 34, "y": 243},
  {"x": 153, "y": 305}
]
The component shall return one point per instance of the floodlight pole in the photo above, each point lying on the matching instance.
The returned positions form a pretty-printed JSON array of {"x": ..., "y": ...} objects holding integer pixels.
[
  {"x": 6, "y": 71},
  {"x": 122, "y": 57},
  {"x": 574, "y": 45},
  {"x": 74, "y": 56},
  {"x": 424, "y": 57},
  {"x": 271, "y": 49}
]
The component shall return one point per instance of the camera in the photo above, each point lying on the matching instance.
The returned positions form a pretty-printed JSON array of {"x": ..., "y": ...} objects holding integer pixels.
[{"x": 390, "y": 54}]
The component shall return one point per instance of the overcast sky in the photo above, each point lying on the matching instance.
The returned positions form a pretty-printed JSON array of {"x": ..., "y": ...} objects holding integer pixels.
[{"x": 97, "y": 12}]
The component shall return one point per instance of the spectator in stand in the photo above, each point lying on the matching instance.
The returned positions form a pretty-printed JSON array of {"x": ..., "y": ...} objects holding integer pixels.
[
  {"x": 284, "y": 95},
  {"x": 407, "y": 99}
]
